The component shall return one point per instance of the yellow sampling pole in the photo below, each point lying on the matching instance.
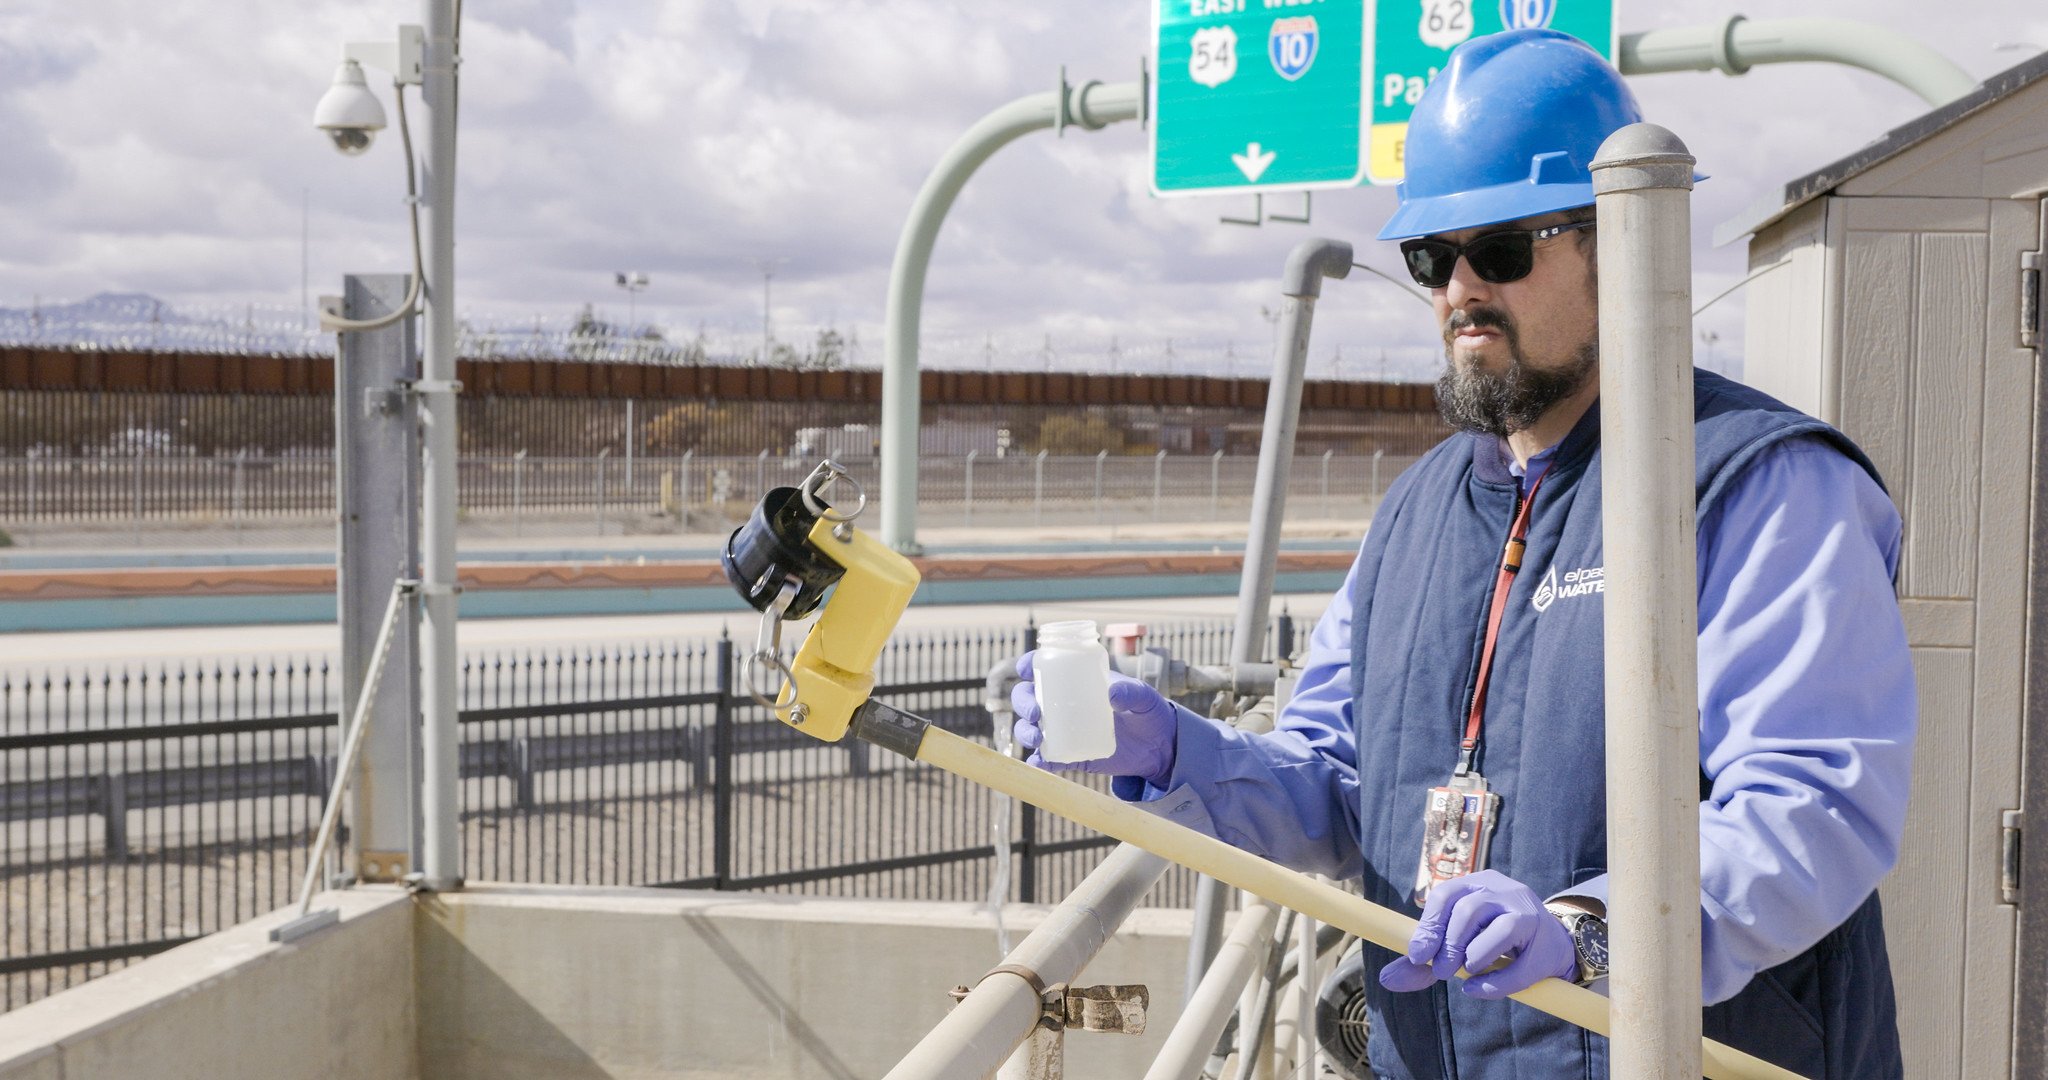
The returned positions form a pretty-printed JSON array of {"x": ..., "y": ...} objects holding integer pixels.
[
  {"x": 827, "y": 694},
  {"x": 1324, "y": 903}
]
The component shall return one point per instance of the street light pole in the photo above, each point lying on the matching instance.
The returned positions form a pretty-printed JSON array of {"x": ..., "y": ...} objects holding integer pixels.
[
  {"x": 440, "y": 855},
  {"x": 767, "y": 336},
  {"x": 632, "y": 281}
]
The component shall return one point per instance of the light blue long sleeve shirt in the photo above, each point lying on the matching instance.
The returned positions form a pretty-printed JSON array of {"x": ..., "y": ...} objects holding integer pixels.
[{"x": 1807, "y": 717}]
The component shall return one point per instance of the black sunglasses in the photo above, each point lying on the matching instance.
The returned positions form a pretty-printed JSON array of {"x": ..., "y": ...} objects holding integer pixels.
[{"x": 1498, "y": 257}]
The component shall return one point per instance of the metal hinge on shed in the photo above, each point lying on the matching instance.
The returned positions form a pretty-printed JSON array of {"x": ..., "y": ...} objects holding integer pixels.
[
  {"x": 2009, "y": 857},
  {"x": 2030, "y": 300}
]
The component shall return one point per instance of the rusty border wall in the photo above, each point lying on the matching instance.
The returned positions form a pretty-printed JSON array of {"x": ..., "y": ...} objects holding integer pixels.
[{"x": 82, "y": 403}]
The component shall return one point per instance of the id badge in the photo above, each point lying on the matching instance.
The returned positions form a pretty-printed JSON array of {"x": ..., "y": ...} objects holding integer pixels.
[{"x": 1457, "y": 825}]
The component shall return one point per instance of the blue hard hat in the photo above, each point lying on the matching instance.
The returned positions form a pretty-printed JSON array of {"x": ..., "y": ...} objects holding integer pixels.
[{"x": 1508, "y": 130}]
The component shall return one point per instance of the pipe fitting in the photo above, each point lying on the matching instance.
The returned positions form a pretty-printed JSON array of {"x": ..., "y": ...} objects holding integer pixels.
[
  {"x": 1310, "y": 262},
  {"x": 1725, "y": 56}
]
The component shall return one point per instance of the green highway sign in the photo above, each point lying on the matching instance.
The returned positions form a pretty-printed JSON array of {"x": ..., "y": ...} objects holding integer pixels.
[
  {"x": 1258, "y": 95},
  {"x": 1411, "y": 39}
]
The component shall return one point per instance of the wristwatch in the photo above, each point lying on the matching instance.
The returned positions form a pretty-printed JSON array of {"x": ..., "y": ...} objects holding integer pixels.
[{"x": 1589, "y": 940}]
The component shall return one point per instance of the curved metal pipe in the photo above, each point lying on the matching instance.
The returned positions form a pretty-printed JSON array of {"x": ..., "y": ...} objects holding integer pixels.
[
  {"x": 1208, "y": 1010},
  {"x": 1088, "y": 106},
  {"x": 1735, "y": 44},
  {"x": 1003, "y": 1008}
]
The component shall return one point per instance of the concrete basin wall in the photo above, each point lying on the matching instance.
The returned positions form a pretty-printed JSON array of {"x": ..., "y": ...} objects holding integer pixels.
[
  {"x": 504, "y": 982},
  {"x": 336, "y": 1005},
  {"x": 563, "y": 983}
]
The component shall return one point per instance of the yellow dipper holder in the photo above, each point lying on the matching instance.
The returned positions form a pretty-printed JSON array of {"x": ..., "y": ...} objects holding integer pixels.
[{"x": 827, "y": 694}]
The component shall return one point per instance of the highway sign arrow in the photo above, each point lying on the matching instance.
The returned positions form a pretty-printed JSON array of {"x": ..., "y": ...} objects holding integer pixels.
[
  {"x": 1263, "y": 96},
  {"x": 1252, "y": 163}
]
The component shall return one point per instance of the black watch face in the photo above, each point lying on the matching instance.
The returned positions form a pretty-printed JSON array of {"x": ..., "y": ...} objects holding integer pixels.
[{"x": 1592, "y": 937}]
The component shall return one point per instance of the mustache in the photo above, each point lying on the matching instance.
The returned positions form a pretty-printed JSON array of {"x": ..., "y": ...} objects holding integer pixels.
[{"x": 1481, "y": 318}]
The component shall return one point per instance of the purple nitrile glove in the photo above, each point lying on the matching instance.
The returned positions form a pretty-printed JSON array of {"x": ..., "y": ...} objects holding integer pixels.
[
  {"x": 1145, "y": 724},
  {"x": 1475, "y": 922}
]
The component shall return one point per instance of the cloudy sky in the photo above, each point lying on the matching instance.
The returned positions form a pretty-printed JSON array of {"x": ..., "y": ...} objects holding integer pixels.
[{"x": 164, "y": 146}]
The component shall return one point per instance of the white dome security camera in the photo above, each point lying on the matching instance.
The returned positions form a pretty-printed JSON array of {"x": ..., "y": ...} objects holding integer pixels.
[{"x": 348, "y": 112}]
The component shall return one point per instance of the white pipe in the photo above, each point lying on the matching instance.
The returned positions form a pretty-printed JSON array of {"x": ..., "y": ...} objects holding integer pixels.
[
  {"x": 1301, "y": 283},
  {"x": 1306, "y": 984},
  {"x": 1089, "y": 106},
  {"x": 1001, "y": 1010},
  {"x": 1193, "y": 1038},
  {"x": 1735, "y": 43},
  {"x": 1642, "y": 179},
  {"x": 440, "y": 855},
  {"x": 352, "y": 744}
]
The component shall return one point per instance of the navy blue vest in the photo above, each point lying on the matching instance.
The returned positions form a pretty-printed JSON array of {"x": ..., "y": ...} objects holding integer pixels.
[{"x": 1425, "y": 576}]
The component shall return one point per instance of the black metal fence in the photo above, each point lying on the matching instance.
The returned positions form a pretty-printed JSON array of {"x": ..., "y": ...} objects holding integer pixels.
[{"x": 148, "y": 806}]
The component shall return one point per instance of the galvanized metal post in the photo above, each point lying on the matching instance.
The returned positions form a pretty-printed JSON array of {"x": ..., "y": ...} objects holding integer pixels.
[
  {"x": 135, "y": 491},
  {"x": 1327, "y": 455},
  {"x": 1101, "y": 456},
  {"x": 1301, "y": 282},
  {"x": 440, "y": 851},
  {"x": 1215, "y": 483},
  {"x": 969, "y": 481},
  {"x": 683, "y": 495},
  {"x": 237, "y": 507},
  {"x": 1089, "y": 106},
  {"x": 518, "y": 496},
  {"x": 1642, "y": 178},
  {"x": 1158, "y": 475},
  {"x": 632, "y": 435},
  {"x": 1038, "y": 489},
  {"x": 377, "y": 492},
  {"x": 603, "y": 458}
]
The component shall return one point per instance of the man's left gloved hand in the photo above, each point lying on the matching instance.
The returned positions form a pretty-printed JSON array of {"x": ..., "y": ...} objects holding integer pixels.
[{"x": 1475, "y": 922}]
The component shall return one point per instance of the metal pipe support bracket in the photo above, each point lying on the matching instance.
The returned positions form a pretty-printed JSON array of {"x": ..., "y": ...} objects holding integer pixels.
[{"x": 1117, "y": 1008}]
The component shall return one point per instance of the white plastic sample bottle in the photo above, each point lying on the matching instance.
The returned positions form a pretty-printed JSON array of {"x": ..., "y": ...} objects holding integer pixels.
[{"x": 1071, "y": 677}]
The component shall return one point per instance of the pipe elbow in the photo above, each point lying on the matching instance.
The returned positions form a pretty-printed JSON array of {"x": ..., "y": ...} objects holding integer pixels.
[{"x": 1310, "y": 262}]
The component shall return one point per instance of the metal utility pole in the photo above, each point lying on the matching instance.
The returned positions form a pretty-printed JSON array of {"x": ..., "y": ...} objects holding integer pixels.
[
  {"x": 377, "y": 456},
  {"x": 633, "y": 281},
  {"x": 1089, "y": 106},
  {"x": 1642, "y": 178},
  {"x": 767, "y": 321},
  {"x": 440, "y": 855},
  {"x": 1301, "y": 284}
]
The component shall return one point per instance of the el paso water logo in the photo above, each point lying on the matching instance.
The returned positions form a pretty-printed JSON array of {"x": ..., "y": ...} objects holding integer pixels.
[{"x": 1580, "y": 582}]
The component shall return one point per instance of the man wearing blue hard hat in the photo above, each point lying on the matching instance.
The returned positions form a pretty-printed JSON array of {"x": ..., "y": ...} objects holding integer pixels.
[{"x": 1445, "y": 742}]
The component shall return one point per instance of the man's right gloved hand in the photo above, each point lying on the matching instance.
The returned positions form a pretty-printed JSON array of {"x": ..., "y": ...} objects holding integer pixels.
[{"x": 1145, "y": 726}]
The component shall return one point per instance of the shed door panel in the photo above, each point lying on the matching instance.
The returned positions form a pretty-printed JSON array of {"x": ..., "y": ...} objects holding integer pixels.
[{"x": 1930, "y": 382}]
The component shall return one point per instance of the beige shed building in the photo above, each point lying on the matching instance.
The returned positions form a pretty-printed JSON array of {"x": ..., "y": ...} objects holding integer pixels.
[{"x": 1902, "y": 304}]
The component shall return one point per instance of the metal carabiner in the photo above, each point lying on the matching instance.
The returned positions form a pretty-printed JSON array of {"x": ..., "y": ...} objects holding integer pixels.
[
  {"x": 768, "y": 652},
  {"x": 828, "y": 473}
]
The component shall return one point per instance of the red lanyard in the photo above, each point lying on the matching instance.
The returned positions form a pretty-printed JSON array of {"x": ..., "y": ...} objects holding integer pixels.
[{"x": 1510, "y": 564}]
